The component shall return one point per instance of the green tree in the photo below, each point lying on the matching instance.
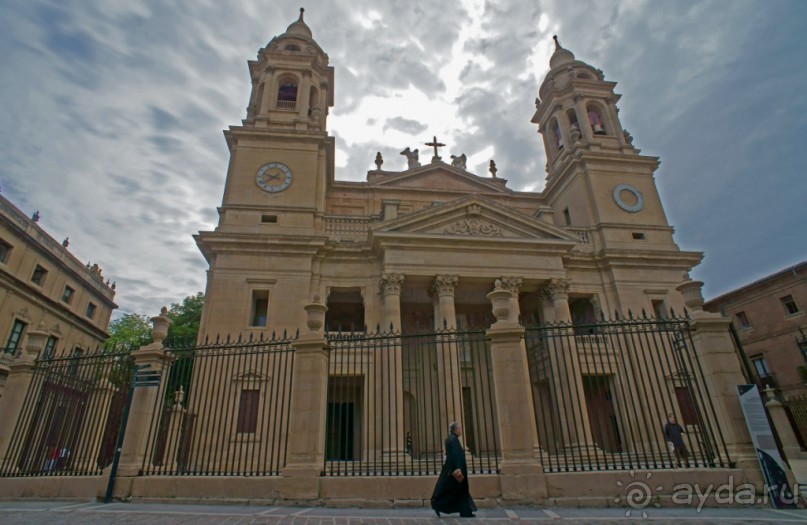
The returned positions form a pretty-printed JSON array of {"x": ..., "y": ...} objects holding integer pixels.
[
  {"x": 129, "y": 330},
  {"x": 186, "y": 317}
]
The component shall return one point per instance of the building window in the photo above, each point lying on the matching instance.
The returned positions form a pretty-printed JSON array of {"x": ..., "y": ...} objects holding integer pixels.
[
  {"x": 287, "y": 94},
  {"x": 50, "y": 345},
  {"x": 248, "y": 412},
  {"x": 14, "y": 338},
  {"x": 790, "y": 305},
  {"x": 595, "y": 119},
  {"x": 659, "y": 308},
  {"x": 39, "y": 275},
  {"x": 75, "y": 357},
  {"x": 5, "y": 251},
  {"x": 743, "y": 320},
  {"x": 260, "y": 307},
  {"x": 345, "y": 310},
  {"x": 567, "y": 217},
  {"x": 638, "y": 236},
  {"x": 67, "y": 295},
  {"x": 269, "y": 219},
  {"x": 763, "y": 372},
  {"x": 91, "y": 307}
]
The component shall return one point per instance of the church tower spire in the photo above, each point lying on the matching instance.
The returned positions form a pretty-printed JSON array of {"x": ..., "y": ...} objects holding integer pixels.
[
  {"x": 577, "y": 110},
  {"x": 292, "y": 83}
]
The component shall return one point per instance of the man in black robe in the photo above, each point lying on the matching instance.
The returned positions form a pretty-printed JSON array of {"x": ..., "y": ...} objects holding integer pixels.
[{"x": 452, "y": 493}]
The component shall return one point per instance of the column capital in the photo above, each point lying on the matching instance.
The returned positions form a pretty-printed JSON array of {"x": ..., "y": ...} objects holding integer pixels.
[
  {"x": 391, "y": 283},
  {"x": 511, "y": 284},
  {"x": 558, "y": 289},
  {"x": 443, "y": 285}
]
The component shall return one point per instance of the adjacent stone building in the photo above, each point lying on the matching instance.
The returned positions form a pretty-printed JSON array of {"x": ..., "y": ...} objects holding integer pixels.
[
  {"x": 768, "y": 315},
  {"x": 43, "y": 286}
]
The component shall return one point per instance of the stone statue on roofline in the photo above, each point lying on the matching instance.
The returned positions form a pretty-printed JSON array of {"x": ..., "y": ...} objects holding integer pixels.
[
  {"x": 411, "y": 158},
  {"x": 458, "y": 161}
]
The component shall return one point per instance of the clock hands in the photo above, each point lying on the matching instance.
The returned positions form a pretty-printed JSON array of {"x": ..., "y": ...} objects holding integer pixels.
[{"x": 272, "y": 177}]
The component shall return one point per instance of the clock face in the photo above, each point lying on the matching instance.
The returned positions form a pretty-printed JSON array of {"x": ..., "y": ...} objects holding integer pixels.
[{"x": 273, "y": 177}]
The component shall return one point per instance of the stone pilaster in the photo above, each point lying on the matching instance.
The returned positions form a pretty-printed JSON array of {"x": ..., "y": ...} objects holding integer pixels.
[
  {"x": 442, "y": 290},
  {"x": 18, "y": 382}
]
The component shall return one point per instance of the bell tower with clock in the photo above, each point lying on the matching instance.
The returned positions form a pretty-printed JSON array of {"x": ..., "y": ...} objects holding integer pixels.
[
  {"x": 599, "y": 184},
  {"x": 281, "y": 155}
]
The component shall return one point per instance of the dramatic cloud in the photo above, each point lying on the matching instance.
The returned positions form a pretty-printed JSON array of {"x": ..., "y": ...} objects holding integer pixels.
[{"x": 113, "y": 113}]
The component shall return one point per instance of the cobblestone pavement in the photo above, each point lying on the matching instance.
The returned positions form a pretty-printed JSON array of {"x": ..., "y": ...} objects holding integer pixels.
[{"x": 51, "y": 512}]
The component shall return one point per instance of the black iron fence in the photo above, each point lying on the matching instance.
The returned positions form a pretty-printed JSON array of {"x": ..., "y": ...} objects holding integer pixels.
[
  {"x": 391, "y": 398},
  {"x": 796, "y": 409},
  {"x": 603, "y": 391},
  {"x": 222, "y": 409},
  {"x": 71, "y": 415}
]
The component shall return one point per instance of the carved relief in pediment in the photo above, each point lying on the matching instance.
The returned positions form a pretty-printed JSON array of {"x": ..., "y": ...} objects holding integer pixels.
[{"x": 475, "y": 227}]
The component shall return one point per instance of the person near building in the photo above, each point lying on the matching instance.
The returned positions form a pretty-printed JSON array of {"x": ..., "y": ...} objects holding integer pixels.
[
  {"x": 673, "y": 434},
  {"x": 452, "y": 492}
]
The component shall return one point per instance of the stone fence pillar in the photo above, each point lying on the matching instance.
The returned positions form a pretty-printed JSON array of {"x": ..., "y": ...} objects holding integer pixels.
[
  {"x": 144, "y": 404},
  {"x": 722, "y": 373},
  {"x": 309, "y": 397},
  {"x": 18, "y": 382},
  {"x": 522, "y": 477}
]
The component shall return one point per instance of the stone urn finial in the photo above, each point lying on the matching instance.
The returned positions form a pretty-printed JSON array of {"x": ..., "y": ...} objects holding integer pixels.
[
  {"x": 500, "y": 299},
  {"x": 160, "y": 324},
  {"x": 693, "y": 296},
  {"x": 316, "y": 314},
  {"x": 36, "y": 342}
]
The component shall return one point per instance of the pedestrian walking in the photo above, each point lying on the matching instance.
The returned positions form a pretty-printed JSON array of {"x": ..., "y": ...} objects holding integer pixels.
[
  {"x": 452, "y": 492},
  {"x": 673, "y": 434}
]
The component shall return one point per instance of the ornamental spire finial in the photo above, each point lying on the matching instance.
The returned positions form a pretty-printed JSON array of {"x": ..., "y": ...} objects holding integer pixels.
[
  {"x": 557, "y": 42},
  {"x": 302, "y": 10}
]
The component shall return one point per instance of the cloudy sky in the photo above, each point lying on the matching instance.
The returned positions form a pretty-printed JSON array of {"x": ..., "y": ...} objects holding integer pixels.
[{"x": 112, "y": 112}]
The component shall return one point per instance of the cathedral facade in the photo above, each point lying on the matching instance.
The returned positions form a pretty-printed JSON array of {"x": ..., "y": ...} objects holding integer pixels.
[{"x": 421, "y": 247}]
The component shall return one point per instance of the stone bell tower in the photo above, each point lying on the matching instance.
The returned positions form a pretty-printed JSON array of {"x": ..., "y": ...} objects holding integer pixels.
[
  {"x": 270, "y": 218},
  {"x": 598, "y": 182},
  {"x": 281, "y": 155}
]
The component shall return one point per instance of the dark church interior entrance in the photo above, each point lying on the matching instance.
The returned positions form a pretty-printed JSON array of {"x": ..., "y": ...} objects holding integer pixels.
[
  {"x": 343, "y": 419},
  {"x": 601, "y": 413}
]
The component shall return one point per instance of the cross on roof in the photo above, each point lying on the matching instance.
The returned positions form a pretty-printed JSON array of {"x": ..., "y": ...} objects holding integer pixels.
[{"x": 436, "y": 145}]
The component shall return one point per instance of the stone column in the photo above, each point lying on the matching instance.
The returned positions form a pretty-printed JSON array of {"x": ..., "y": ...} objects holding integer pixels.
[
  {"x": 144, "y": 404},
  {"x": 20, "y": 377},
  {"x": 269, "y": 92},
  {"x": 309, "y": 398},
  {"x": 571, "y": 402},
  {"x": 522, "y": 477},
  {"x": 391, "y": 363},
  {"x": 512, "y": 285},
  {"x": 304, "y": 95},
  {"x": 449, "y": 378},
  {"x": 565, "y": 128},
  {"x": 390, "y": 285},
  {"x": 582, "y": 118},
  {"x": 722, "y": 373}
]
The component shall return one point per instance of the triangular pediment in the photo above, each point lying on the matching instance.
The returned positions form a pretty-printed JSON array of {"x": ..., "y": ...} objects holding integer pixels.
[
  {"x": 474, "y": 216},
  {"x": 438, "y": 176}
]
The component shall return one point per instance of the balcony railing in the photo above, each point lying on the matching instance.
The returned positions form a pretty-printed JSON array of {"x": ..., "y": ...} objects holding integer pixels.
[{"x": 286, "y": 104}]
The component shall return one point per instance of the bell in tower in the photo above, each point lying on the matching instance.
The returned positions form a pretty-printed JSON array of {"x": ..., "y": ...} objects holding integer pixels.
[
  {"x": 292, "y": 83},
  {"x": 577, "y": 110}
]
